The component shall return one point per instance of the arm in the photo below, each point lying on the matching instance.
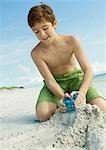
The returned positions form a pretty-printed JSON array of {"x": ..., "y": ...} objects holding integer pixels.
[
  {"x": 47, "y": 75},
  {"x": 85, "y": 65}
]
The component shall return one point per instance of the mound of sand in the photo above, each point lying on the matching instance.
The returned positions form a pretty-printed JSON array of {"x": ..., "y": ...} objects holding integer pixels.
[{"x": 88, "y": 131}]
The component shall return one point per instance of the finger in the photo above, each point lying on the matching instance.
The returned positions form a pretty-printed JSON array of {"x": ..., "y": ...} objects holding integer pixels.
[
  {"x": 79, "y": 101},
  {"x": 62, "y": 104},
  {"x": 84, "y": 101},
  {"x": 66, "y": 95},
  {"x": 61, "y": 110},
  {"x": 72, "y": 93},
  {"x": 71, "y": 96}
]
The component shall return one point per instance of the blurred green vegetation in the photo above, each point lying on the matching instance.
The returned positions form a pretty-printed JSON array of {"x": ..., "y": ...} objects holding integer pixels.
[{"x": 11, "y": 88}]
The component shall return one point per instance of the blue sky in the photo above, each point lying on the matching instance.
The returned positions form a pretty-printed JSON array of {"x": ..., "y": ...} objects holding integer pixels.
[{"x": 84, "y": 19}]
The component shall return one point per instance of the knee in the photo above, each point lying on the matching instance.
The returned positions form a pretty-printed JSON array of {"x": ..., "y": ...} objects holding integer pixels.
[
  {"x": 104, "y": 106},
  {"x": 101, "y": 103},
  {"x": 43, "y": 115}
]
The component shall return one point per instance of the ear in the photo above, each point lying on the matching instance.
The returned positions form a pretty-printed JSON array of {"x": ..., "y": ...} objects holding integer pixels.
[{"x": 54, "y": 24}]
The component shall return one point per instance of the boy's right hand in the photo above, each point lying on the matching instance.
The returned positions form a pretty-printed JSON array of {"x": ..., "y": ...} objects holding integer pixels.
[{"x": 62, "y": 106}]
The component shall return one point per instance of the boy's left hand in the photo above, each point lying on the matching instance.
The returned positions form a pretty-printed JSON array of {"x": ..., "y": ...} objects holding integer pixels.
[{"x": 81, "y": 99}]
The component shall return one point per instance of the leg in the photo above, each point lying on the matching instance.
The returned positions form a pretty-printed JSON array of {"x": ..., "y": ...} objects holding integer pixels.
[
  {"x": 45, "y": 110},
  {"x": 94, "y": 97},
  {"x": 100, "y": 102},
  {"x": 46, "y": 104}
]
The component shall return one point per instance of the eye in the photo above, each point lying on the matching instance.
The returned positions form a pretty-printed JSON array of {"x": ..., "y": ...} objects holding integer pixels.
[
  {"x": 45, "y": 28},
  {"x": 36, "y": 32}
]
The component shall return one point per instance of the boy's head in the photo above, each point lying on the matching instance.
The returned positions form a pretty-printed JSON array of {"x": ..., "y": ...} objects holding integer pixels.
[{"x": 40, "y": 14}]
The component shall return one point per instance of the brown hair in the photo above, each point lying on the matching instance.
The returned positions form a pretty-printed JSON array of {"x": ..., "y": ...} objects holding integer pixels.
[{"x": 39, "y": 14}]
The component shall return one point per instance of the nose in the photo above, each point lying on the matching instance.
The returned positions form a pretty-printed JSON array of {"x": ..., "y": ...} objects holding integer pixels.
[{"x": 42, "y": 34}]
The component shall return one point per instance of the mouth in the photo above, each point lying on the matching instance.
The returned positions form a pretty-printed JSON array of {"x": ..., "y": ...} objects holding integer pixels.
[{"x": 46, "y": 38}]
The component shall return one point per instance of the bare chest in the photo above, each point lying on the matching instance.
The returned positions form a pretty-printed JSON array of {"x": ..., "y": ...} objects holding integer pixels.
[{"x": 58, "y": 57}]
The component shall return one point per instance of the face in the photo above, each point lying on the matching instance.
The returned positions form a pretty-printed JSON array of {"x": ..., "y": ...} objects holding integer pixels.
[{"x": 44, "y": 31}]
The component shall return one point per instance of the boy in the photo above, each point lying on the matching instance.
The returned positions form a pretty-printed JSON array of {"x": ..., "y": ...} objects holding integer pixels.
[{"x": 55, "y": 57}]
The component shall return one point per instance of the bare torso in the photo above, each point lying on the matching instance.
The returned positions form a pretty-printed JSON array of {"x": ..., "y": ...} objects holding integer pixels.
[{"x": 59, "y": 58}]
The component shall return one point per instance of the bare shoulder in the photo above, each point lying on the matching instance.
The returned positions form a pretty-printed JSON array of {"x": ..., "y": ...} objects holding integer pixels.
[
  {"x": 72, "y": 39},
  {"x": 36, "y": 51}
]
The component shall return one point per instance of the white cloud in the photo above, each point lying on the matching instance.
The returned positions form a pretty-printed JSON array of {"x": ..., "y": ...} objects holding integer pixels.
[
  {"x": 12, "y": 51},
  {"x": 94, "y": 40},
  {"x": 30, "y": 79},
  {"x": 25, "y": 80},
  {"x": 99, "y": 67},
  {"x": 98, "y": 41},
  {"x": 28, "y": 76},
  {"x": 25, "y": 69}
]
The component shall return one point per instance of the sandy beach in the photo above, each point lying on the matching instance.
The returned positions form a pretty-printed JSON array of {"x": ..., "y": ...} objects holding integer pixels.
[{"x": 20, "y": 130}]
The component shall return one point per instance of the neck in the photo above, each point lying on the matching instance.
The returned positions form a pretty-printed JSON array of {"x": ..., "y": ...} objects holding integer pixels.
[{"x": 55, "y": 40}]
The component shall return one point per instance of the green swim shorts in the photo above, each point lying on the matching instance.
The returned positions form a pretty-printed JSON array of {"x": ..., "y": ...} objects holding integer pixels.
[{"x": 68, "y": 82}]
